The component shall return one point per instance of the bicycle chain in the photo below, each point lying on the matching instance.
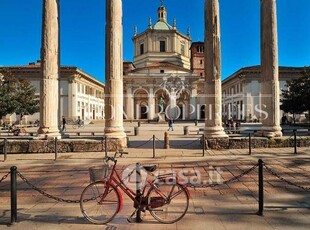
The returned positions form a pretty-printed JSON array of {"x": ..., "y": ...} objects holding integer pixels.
[
  {"x": 284, "y": 180},
  {"x": 45, "y": 193},
  {"x": 5, "y": 176},
  {"x": 225, "y": 182}
]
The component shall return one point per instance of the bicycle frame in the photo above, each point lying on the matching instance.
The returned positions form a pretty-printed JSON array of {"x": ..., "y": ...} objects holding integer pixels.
[{"x": 116, "y": 181}]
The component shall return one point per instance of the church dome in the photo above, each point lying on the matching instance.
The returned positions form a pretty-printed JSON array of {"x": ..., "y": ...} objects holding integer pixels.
[{"x": 162, "y": 25}]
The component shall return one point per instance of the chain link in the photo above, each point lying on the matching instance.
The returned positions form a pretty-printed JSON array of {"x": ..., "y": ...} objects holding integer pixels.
[
  {"x": 5, "y": 176},
  {"x": 225, "y": 182},
  {"x": 185, "y": 144},
  {"x": 44, "y": 193},
  {"x": 284, "y": 180},
  {"x": 159, "y": 140},
  {"x": 142, "y": 144}
]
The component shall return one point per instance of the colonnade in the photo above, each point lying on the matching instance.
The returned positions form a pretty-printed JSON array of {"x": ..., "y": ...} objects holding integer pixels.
[{"x": 114, "y": 70}]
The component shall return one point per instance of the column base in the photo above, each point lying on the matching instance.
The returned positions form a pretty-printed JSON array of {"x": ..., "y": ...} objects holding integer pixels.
[
  {"x": 117, "y": 137},
  {"x": 46, "y": 133},
  {"x": 269, "y": 131},
  {"x": 215, "y": 132}
]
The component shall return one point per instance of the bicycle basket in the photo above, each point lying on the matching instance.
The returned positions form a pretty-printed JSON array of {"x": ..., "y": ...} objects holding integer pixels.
[{"x": 100, "y": 173}]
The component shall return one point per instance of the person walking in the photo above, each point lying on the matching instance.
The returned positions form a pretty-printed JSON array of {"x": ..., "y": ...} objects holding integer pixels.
[
  {"x": 170, "y": 124},
  {"x": 64, "y": 124}
]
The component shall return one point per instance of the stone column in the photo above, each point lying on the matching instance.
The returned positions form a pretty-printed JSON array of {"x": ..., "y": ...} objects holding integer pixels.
[
  {"x": 151, "y": 105},
  {"x": 213, "y": 87},
  {"x": 114, "y": 72},
  {"x": 49, "y": 84},
  {"x": 270, "y": 91},
  {"x": 129, "y": 104}
]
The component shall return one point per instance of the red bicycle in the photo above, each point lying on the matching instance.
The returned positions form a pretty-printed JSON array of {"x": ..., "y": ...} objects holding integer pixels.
[{"x": 163, "y": 196}]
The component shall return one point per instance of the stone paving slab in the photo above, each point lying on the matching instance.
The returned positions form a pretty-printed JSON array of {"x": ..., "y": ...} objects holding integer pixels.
[{"x": 231, "y": 206}]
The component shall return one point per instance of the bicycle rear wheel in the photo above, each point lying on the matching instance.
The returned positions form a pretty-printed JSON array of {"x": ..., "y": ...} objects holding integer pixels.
[
  {"x": 168, "y": 203},
  {"x": 99, "y": 202}
]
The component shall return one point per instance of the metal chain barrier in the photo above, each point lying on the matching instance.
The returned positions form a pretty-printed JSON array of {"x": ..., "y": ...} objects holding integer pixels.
[
  {"x": 144, "y": 143},
  {"x": 159, "y": 140},
  {"x": 284, "y": 180},
  {"x": 4, "y": 177},
  {"x": 186, "y": 144},
  {"x": 44, "y": 193},
  {"x": 225, "y": 182},
  {"x": 287, "y": 141}
]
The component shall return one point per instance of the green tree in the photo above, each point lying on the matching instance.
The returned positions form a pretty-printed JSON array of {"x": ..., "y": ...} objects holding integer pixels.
[
  {"x": 8, "y": 85},
  {"x": 296, "y": 98},
  {"x": 26, "y": 100},
  {"x": 16, "y": 96}
]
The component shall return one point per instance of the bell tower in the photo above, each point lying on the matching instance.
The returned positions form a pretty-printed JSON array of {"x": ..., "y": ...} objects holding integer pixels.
[{"x": 162, "y": 12}]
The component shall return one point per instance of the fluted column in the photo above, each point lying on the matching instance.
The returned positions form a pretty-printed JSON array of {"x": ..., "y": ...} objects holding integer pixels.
[
  {"x": 213, "y": 87},
  {"x": 49, "y": 84},
  {"x": 270, "y": 70},
  {"x": 114, "y": 71},
  {"x": 129, "y": 104}
]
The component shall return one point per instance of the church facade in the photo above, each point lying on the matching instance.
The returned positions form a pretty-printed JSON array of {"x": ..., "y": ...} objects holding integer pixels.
[{"x": 160, "y": 81}]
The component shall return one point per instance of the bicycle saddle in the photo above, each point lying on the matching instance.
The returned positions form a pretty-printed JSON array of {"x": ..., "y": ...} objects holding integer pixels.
[{"x": 150, "y": 168}]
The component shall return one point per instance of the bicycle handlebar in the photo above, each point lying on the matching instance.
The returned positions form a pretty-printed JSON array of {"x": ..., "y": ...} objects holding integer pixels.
[{"x": 114, "y": 157}]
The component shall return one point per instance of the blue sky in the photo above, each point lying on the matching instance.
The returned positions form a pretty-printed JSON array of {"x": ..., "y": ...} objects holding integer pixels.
[{"x": 83, "y": 21}]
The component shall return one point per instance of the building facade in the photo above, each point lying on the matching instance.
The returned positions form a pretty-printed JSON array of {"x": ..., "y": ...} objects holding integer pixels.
[
  {"x": 80, "y": 95},
  {"x": 167, "y": 76},
  {"x": 160, "y": 82},
  {"x": 242, "y": 92}
]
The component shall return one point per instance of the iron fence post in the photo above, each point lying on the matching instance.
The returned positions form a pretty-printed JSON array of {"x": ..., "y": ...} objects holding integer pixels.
[
  {"x": 295, "y": 141},
  {"x": 203, "y": 145},
  {"x": 138, "y": 192},
  {"x": 13, "y": 195},
  {"x": 250, "y": 144},
  {"x": 260, "y": 188},
  {"x": 56, "y": 148},
  {"x": 105, "y": 146},
  {"x": 153, "y": 146},
  {"x": 5, "y": 152}
]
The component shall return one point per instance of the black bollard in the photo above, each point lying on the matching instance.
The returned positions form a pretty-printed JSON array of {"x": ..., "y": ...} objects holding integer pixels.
[
  {"x": 260, "y": 188},
  {"x": 196, "y": 122},
  {"x": 295, "y": 141},
  {"x": 153, "y": 146},
  {"x": 138, "y": 191},
  {"x": 250, "y": 144},
  {"x": 139, "y": 123},
  {"x": 56, "y": 148},
  {"x": 13, "y": 195}
]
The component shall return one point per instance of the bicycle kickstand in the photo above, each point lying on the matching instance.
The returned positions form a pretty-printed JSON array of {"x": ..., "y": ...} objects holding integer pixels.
[{"x": 133, "y": 217}]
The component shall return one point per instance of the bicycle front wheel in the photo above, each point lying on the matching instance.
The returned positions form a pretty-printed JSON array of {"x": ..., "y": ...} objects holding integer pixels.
[
  {"x": 168, "y": 203},
  {"x": 99, "y": 202}
]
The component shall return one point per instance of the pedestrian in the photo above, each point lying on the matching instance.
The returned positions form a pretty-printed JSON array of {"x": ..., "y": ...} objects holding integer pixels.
[
  {"x": 170, "y": 124},
  {"x": 64, "y": 124},
  {"x": 79, "y": 121}
]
